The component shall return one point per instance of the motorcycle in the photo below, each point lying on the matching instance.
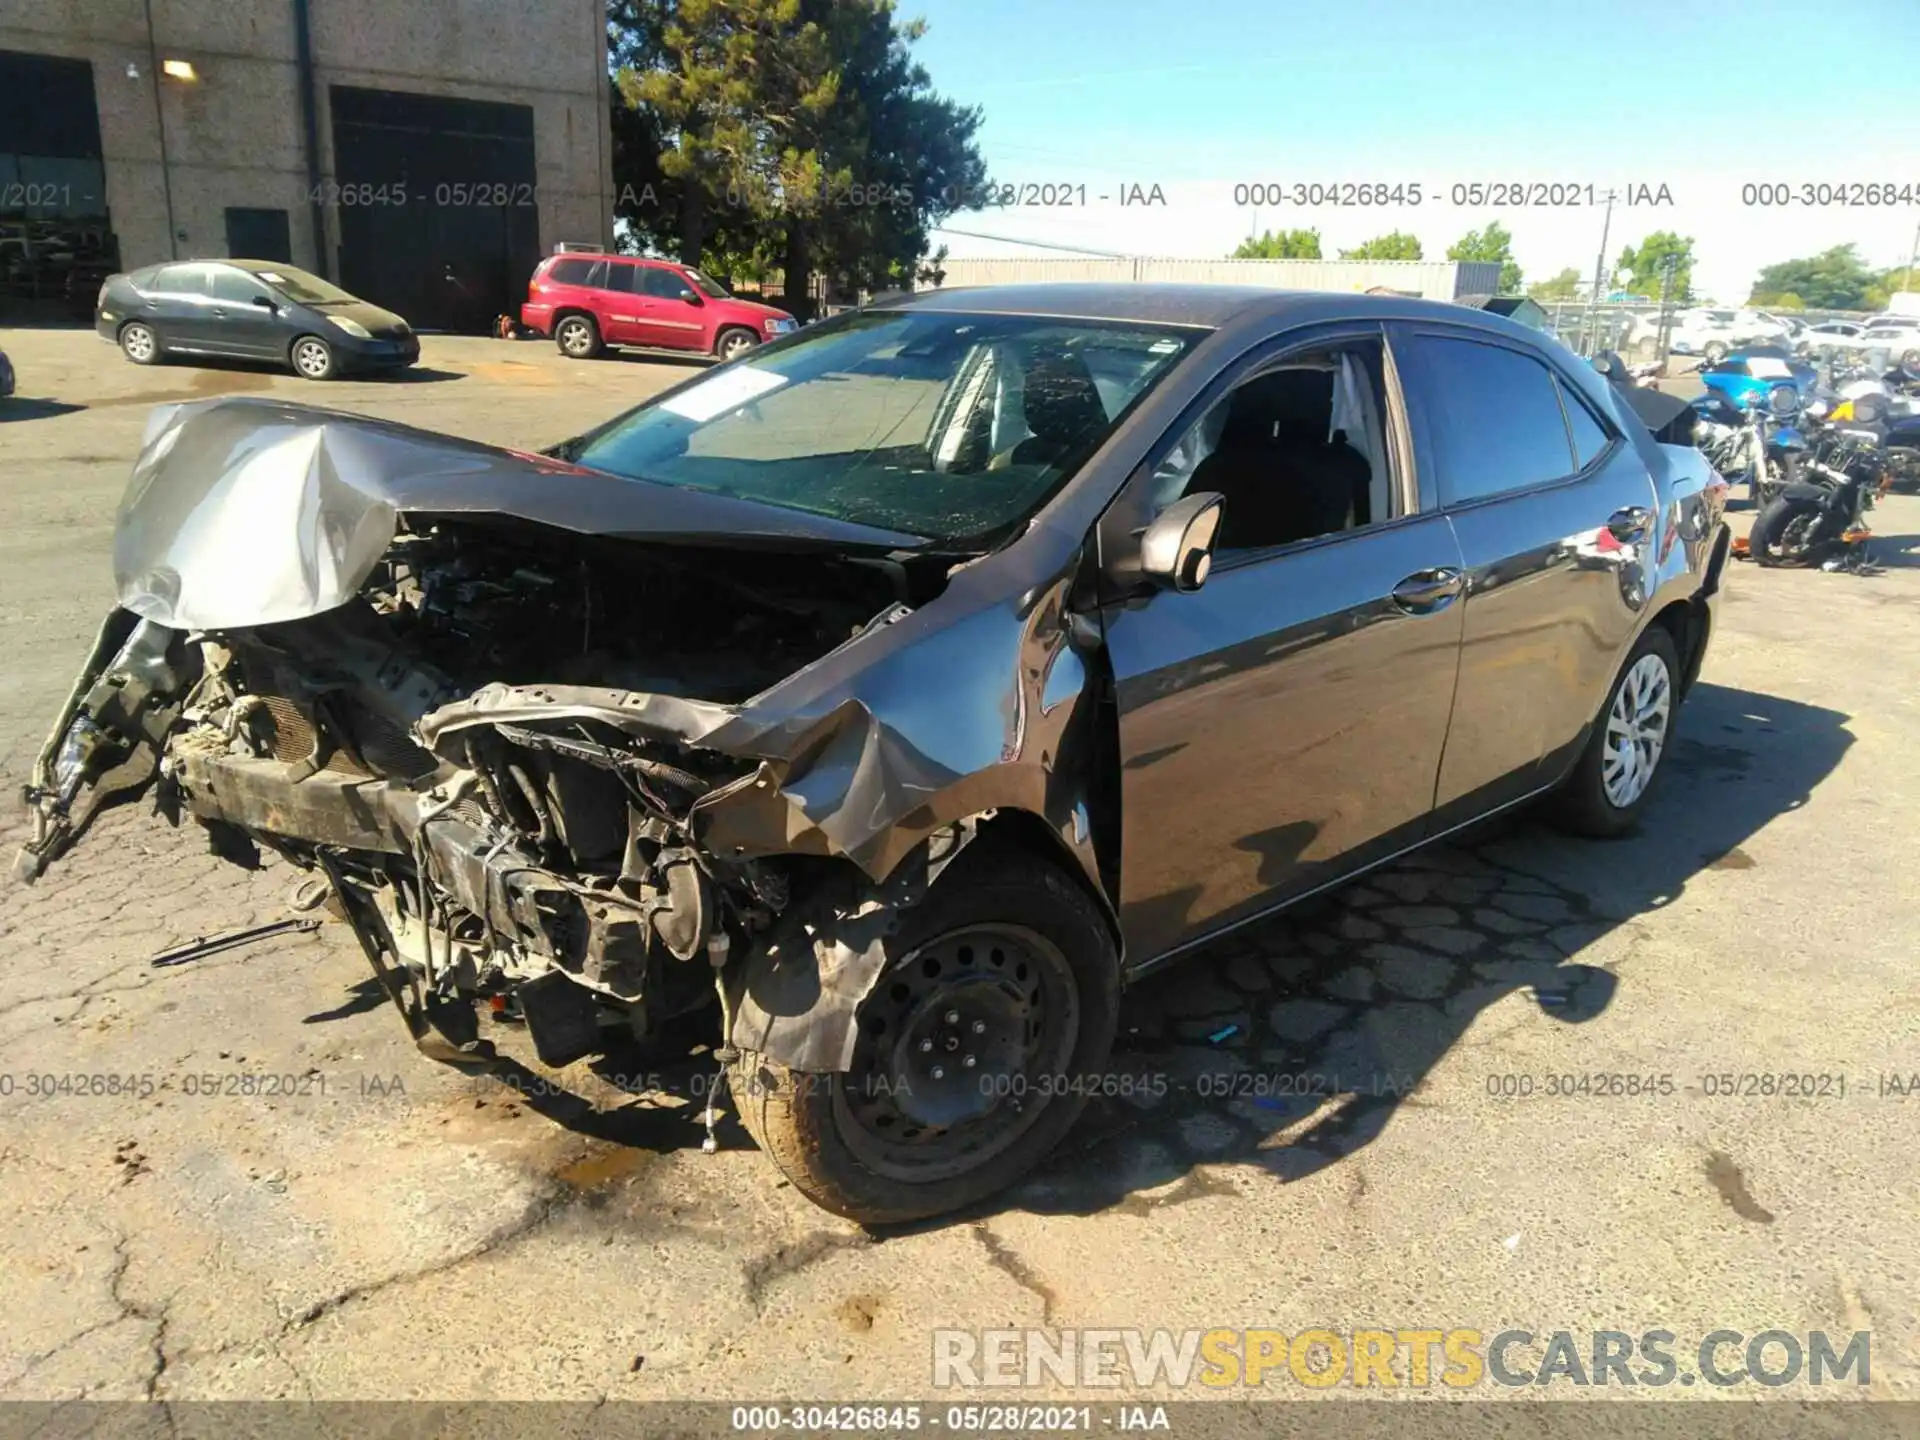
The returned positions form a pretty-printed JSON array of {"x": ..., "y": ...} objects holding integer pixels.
[
  {"x": 1756, "y": 442},
  {"x": 1896, "y": 393},
  {"x": 1821, "y": 516}
]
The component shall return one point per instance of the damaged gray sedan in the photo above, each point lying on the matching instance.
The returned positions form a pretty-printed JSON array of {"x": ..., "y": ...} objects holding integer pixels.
[{"x": 907, "y": 686}]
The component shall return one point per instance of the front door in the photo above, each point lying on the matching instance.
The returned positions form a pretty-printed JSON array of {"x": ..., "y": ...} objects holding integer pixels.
[
  {"x": 1554, "y": 511},
  {"x": 671, "y": 320},
  {"x": 246, "y": 318},
  {"x": 1284, "y": 724}
]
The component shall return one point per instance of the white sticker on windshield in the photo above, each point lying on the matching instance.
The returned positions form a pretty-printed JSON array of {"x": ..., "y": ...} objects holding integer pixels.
[
  {"x": 1767, "y": 367},
  {"x": 720, "y": 393}
]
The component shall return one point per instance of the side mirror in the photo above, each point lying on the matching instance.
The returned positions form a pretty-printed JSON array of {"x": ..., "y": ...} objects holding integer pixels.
[
  {"x": 265, "y": 302},
  {"x": 689, "y": 296},
  {"x": 1176, "y": 550}
]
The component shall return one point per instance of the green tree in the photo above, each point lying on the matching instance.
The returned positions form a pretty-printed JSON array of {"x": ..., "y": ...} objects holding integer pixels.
[
  {"x": 1564, "y": 286},
  {"x": 1835, "y": 279},
  {"x": 1279, "y": 245},
  {"x": 1396, "y": 245},
  {"x": 752, "y": 133},
  {"x": 1640, "y": 267},
  {"x": 1494, "y": 244}
]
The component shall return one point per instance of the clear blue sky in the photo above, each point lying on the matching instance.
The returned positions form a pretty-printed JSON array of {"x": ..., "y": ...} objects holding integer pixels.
[{"x": 1103, "y": 91}]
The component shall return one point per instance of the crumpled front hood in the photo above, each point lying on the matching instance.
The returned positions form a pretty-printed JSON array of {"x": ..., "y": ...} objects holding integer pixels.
[{"x": 249, "y": 512}]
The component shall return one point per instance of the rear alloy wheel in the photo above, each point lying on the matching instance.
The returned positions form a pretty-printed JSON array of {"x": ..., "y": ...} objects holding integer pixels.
[
  {"x": 1001, "y": 989},
  {"x": 577, "y": 337},
  {"x": 139, "y": 344},
  {"x": 734, "y": 343},
  {"x": 312, "y": 358},
  {"x": 1610, "y": 783}
]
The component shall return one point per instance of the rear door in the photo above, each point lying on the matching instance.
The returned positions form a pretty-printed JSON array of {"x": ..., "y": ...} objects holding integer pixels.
[
  {"x": 183, "y": 308},
  {"x": 619, "y": 304},
  {"x": 1554, "y": 512}
]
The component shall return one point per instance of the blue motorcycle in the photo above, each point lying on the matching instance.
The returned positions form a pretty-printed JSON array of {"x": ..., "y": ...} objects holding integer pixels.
[{"x": 1756, "y": 441}]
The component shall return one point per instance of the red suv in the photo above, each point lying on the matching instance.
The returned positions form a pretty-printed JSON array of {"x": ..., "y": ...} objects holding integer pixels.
[{"x": 587, "y": 302}]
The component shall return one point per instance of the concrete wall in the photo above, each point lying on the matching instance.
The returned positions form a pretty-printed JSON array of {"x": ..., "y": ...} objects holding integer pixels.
[
  {"x": 234, "y": 136},
  {"x": 1432, "y": 279}
]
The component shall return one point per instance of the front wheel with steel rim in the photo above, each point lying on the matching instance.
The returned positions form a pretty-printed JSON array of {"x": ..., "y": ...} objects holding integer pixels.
[
  {"x": 312, "y": 358},
  {"x": 577, "y": 337},
  {"x": 1000, "y": 992},
  {"x": 734, "y": 343},
  {"x": 1610, "y": 782},
  {"x": 139, "y": 344}
]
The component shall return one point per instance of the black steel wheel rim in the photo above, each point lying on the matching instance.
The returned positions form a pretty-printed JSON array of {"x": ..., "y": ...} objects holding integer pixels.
[{"x": 961, "y": 1046}]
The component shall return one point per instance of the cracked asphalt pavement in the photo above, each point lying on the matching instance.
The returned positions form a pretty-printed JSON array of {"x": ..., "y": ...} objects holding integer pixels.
[{"x": 235, "y": 1178}]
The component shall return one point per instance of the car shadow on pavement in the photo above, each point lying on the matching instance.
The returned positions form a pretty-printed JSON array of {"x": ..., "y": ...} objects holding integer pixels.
[
  {"x": 1287, "y": 1047},
  {"x": 24, "y": 409}
]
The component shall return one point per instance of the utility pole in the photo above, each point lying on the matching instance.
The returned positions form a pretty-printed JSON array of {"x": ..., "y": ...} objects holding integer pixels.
[
  {"x": 1599, "y": 276},
  {"x": 1669, "y": 267}
]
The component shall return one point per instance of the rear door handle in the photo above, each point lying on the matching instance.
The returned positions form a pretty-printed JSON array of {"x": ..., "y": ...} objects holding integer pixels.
[
  {"x": 1630, "y": 523},
  {"x": 1426, "y": 591}
]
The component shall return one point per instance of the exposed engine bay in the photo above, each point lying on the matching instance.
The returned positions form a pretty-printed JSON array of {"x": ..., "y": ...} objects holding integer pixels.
[{"x": 550, "y": 855}]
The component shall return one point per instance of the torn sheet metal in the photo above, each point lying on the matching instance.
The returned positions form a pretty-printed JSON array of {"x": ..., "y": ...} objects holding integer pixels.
[
  {"x": 248, "y": 512},
  {"x": 796, "y": 999}
]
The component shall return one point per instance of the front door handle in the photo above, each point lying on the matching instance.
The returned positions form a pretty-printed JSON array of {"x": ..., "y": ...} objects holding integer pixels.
[
  {"x": 1426, "y": 591},
  {"x": 1630, "y": 523}
]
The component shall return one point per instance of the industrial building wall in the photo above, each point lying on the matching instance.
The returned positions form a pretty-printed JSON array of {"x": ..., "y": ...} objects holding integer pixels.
[
  {"x": 234, "y": 136},
  {"x": 1431, "y": 279}
]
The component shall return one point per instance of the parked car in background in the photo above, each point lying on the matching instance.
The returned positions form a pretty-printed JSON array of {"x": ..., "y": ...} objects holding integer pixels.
[
  {"x": 250, "y": 310},
  {"x": 1827, "y": 335},
  {"x": 1895, "y": 336},
  {"x": 588, "y": 302},
  {"x": 916, "y": 684}
]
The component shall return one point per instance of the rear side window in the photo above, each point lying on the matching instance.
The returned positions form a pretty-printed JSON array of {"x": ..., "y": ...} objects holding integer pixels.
[
  {"x": 574, "y": 272},
  {"x": 619, "y": 278},
  {"x": 183, "y": 280},
  {"x": 1493, "y": 419}
]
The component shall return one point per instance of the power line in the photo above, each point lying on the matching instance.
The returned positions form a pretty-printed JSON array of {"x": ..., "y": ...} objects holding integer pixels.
[{"x": 1036, "y": 244}]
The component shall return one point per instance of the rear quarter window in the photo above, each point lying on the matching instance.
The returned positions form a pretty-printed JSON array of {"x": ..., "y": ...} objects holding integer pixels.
[{"x": 574, "y": 272}]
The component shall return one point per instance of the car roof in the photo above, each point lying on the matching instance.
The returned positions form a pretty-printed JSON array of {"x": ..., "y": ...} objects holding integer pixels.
[
  {"x": 1209, "y": 307},
  {"x": 613, "y": 255}
]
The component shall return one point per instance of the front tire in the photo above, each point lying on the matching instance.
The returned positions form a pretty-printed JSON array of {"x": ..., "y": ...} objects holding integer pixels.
[
  {"x": 140, "y": 344},
  {"x": 1782, "y": 534},
  {"x": 312, "y": 358},
  {"x": 1001, "y": 985},
  {"x": 1610, "y": 783},
  {"x": 733, "y": 342}
]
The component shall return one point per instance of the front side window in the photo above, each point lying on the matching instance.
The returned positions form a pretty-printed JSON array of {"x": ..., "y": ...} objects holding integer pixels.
[
  {"x": 660, "y": 282},
  {"x": 950, "y": 427},
  {"x": 236, "y": 287},
  {"x": 1297, "y": 450},
  {"x": 1493, "y": 419},
  {"x": 707, "y": 285}
]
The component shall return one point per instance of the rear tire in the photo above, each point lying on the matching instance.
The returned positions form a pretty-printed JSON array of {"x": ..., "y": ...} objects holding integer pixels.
[
  {"x": 1774, "y": 540},
  {"x": 577, "y": 337},
  {"x": 140, "y": 343},
  {"x": 1005, "y": 961},
  {"x": 1609, "y": 784}
]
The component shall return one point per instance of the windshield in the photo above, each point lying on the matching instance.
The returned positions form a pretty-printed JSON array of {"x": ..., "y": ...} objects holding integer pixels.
[
  {"x": 949, "y": 427},
  {"x": 302, "y": 288},
  {"x": 708, "y": 286}
]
